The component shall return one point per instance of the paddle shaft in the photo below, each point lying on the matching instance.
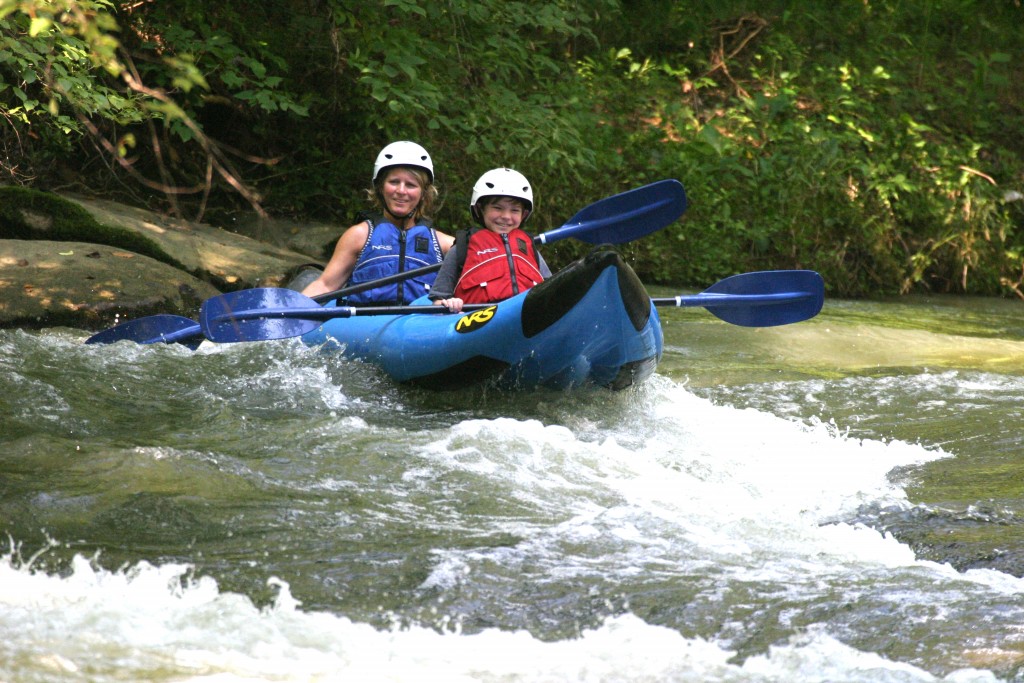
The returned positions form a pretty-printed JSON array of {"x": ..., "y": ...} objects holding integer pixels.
[
  {"x": 373, "y": 284},
  {"x": 712, "y": 300},
  {"x": 331, "y": 312},
  {"x": 405, "y": 275},
  {"x": 704, "y": 300},
  {"x": 397, "y": 277}
]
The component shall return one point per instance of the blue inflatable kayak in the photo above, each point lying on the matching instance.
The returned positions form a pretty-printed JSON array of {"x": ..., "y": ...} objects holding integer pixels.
[{"x": 591, "y": 323}]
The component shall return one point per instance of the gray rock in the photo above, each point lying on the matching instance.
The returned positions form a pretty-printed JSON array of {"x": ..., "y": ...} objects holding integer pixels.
[
  {"x": 89, "y": 286},
  {"x": 88, "y": 263}
]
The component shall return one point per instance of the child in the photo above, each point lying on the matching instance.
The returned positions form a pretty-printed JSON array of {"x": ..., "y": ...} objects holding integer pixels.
[{"x": 497, "y": 260}]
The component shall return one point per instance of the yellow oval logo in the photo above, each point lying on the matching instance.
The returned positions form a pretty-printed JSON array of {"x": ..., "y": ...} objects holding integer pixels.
[{"x": 475, "y": 320}]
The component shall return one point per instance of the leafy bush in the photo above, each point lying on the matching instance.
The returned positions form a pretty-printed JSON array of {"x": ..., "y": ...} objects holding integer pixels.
[{"x": 874, "y": 142}]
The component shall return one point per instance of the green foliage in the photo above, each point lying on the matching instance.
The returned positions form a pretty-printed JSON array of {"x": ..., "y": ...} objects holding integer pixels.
[
  {"x": 871, "y": 141},
  {"x": 200, "y": 61},
  {"x": 848, "y": 167},
  {"x": 482, "y": 83},
  {"x": 69, "y": 79},
  {"x": 47, "y": 77}
]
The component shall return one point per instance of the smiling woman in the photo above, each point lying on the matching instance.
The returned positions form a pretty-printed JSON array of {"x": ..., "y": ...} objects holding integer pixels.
[{"x": 399, "y": 237}]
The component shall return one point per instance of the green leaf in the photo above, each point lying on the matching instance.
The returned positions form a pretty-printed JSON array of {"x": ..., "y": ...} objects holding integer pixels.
[
  {"x": 231, "y": 78},
  {"x": 39, "y": 25}
]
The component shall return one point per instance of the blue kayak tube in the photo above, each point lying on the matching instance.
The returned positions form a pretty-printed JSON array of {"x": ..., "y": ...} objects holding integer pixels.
[{"x": 592, "y": 323}]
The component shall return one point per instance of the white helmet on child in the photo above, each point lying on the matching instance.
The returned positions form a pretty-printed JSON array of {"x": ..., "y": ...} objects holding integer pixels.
[
  {"x": 502, "y": 182},
  {"x": 403, "y": 153}
]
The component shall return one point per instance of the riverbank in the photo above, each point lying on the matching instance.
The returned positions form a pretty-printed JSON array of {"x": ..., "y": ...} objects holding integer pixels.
[{"x": 73, "y": 261}]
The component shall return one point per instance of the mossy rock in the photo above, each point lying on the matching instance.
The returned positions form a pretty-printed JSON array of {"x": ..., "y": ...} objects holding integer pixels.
[
  {"x": 29, "y": 214},
  {"x": 226, "y": 260},
  {"x": 86, "y": 262}
]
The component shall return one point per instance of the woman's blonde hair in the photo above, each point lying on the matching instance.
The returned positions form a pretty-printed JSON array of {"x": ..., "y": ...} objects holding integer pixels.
[{"x": 428, "y": 200}]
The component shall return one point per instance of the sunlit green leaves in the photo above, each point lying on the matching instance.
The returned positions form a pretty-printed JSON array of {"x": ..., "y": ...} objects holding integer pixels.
[
  {"x": 52, "y": 70},
  {"x": 39, "y": 25}
]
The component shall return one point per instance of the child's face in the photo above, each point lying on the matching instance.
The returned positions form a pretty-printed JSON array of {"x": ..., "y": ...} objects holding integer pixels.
[{"x": 503, "y": 214}]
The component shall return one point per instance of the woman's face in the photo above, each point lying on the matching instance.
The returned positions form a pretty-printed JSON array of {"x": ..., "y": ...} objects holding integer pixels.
[{"x": 402, "y": 192}]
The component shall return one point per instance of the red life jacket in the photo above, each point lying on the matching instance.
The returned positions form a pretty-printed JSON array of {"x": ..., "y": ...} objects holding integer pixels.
[{"x": 497, "y": 267}]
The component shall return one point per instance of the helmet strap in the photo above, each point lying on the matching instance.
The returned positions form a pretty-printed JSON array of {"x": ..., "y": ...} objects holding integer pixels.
[
  {"x": 407, "y": 217},
  {"x": 387, "y": 212}
]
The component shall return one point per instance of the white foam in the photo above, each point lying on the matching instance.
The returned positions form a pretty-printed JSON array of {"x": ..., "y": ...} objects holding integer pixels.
[{"x": 157, "y": 623}]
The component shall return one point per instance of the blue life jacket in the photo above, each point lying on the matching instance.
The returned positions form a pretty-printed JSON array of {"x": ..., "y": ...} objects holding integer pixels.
[{"x": 389, "y": 250}]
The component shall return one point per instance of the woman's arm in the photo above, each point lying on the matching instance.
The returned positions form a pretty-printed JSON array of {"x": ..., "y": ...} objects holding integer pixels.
[
  {"x": 445, "y": 240},
  {"x": 342, "y": 262}
]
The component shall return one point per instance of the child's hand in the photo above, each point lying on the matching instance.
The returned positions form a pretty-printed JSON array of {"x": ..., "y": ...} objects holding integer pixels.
[{"x": 454, "y": 305}]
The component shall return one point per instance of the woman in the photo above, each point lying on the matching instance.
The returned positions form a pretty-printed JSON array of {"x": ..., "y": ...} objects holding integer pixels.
[{"x": 396, "y": 238}]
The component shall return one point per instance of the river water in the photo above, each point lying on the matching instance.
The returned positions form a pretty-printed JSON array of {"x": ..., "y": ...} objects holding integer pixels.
[{"x": 836, "y": 500}]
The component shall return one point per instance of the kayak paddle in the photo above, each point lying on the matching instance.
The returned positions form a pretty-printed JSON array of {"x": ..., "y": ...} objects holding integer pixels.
[
  {"x": 759, "y": 299},
  {"x": 617, "y": 219},
  {"x": 152, "y": 329},
  {"x": 624, "y": 217},
  {"x": 270, "y": 313}
]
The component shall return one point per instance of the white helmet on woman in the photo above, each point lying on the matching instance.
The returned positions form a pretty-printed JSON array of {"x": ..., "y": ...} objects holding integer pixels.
[
  {"x": 502, "y": 182},
  {"x": 403, "y": 153}
]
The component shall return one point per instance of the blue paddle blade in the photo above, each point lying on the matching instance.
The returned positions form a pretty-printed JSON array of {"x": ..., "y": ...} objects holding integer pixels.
[
  {"x": 256, "y": 315},
  {"x": 766, "y": 298},
  {"x": 154, "y": 329},
  {"x": 624, "y": 217},
  {"x": 761, "y": 299}
]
